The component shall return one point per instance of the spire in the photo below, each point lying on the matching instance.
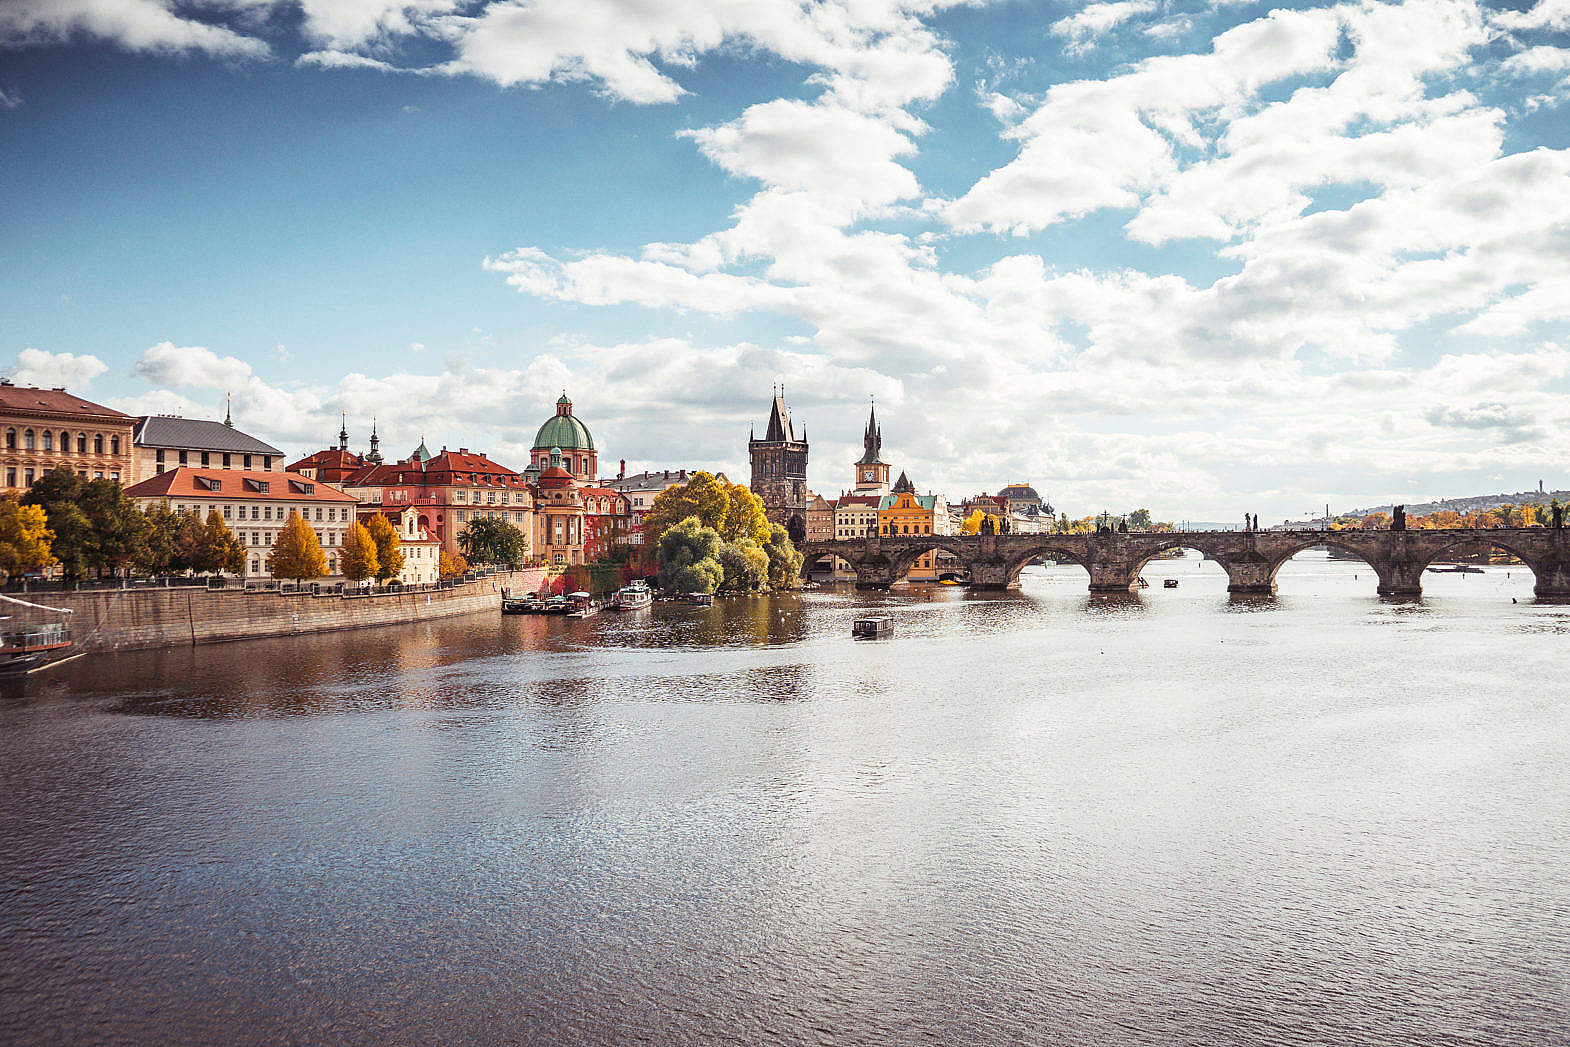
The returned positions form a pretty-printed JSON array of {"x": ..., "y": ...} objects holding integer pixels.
[
  {"x": 904, "y": 484},
  {"x": 872, "y": 439},
  {"x": 375, "y": 454},
  {"x": 779, "y": 420},
  {"x": 228, "y": 414},
  {"x": 343, "y": 433}
]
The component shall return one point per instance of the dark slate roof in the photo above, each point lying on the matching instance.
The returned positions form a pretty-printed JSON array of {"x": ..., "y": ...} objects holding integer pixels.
[{"x": 161, "y": 430}]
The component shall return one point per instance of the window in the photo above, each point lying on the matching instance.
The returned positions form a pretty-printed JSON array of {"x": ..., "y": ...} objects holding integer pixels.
[
  {"x": 115, "y": 476},
  {"x": 28, "y": 477},
  {"x": 206, "y": 458},
  {"x": 81, "y": 443},
  {"x": 256, "y": 512},
  {"x": 267, "y": 462},
  {"x": 226, "y": 459},
  {"x": 114, "y": 447},
  {"x": 318, "y": 514},
  {"x": 247, "y": 461},
  {"x": 158, "y": 456},
  {"x": 10, "y": 439},
  {"x": 267, "y": 513},
  {"x": 10, "y": 477},
  {"x": 27, "y": 440},
  {"x": 226, "y": 513},
  {"x": 256, "y": 566},
  {"x": 49, "y": 440}
]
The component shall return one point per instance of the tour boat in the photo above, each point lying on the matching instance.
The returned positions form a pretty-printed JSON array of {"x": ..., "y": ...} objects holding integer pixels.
[
  {"x": 874, "y": 628},
  {"x": 1170, "y": 583},
  {"x": 31, "y": 647},
  {"x": 632, "y": 596},
  {"x": 701, "y": 599},
  {"x": 557, "y": 605},
  {"x": 583, "y": 605}
]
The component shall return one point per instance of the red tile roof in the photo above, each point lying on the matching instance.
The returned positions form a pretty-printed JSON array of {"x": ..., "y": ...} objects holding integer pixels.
[
  {"x": 236, "y": 484},
  {"x": 54, "y": 401}
]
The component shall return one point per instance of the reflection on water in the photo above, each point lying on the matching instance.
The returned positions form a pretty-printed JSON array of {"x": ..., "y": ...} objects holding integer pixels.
[{"x": 1042, "y": 816}]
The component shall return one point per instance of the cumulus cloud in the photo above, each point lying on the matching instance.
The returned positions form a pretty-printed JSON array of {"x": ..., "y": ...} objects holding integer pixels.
[
  {"x": 137, "y": 25},
  {"x": 50, "y": 370},
  {"x": 1083, "y": 26},
  {"x": 191, "y": 367}
]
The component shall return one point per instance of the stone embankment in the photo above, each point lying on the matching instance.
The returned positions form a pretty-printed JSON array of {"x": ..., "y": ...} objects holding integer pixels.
[{"x": 128, "y": 620}]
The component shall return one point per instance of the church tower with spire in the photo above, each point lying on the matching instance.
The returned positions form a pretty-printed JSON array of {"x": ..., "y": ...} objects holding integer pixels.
[
  {"x": 779, "y": 469},
  {"x": 872, "y": 472}
]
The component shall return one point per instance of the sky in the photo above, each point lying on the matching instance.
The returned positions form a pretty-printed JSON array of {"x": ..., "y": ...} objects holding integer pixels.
[{"x": 1205, "y": 257}]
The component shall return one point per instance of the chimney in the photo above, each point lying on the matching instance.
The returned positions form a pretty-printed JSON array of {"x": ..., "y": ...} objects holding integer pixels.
[
  {"x": 667, "y": 474},
  {"x": 623, "y": 474}
]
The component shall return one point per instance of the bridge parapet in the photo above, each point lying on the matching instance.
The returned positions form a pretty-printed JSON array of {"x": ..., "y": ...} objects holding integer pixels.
[{"x": 1250, "y": 558}]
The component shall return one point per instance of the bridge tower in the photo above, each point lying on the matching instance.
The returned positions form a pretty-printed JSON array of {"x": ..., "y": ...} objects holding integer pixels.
[{"x": 779, "y": 469}]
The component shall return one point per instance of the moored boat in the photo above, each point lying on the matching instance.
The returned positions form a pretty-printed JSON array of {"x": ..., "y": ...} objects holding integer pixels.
[
  {"x": 632, "y": 596},
  {"x": 876, "y": 627}
]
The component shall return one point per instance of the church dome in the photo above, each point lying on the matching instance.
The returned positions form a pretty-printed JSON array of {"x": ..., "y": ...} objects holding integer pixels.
[{"x": 563, "y": 430}]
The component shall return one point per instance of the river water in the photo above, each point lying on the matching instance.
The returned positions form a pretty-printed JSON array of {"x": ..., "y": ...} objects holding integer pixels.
[{"x": 1026, "y": 818}]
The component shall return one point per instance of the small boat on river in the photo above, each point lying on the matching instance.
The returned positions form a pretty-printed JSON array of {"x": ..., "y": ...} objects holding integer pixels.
[
  {"x": 583, "y": 605},
  {"x": 877, "y": 627},
  {"x": 31, "y": 647},
  {"x": 632, "y": 596},
  {"x": 701, "y": 599},
  {"x": 526, "y": 604},
  {"x": 1170, "y": 583}
]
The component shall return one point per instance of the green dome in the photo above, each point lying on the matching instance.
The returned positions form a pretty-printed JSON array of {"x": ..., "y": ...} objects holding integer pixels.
[{"x": 564, "y": 431}]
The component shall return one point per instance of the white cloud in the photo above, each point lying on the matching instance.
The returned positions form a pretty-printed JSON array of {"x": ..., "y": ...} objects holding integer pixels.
[
  {"x": 51, "y": 370},
  {"x": 1093, "y": 20},
  {"x": 346, "y": 60},
  {"x": 191, "y": 367},
  {"x": 9, "y": 100},
  {"x": 137, "y": 25}
]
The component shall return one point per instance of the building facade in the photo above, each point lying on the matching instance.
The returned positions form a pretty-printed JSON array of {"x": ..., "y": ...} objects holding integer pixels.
[
  {"x": 422, "y": 551},
  {"x": 779, "y": 470},
  {"x": 607, "y": 522},
  {"x": 164, "y": 442},
  {"x": 558, "y": 515},
  {"x": 48, "y": 429},
  {"x": 255, "y": 505},
  {"x": 450, "y": 489}
]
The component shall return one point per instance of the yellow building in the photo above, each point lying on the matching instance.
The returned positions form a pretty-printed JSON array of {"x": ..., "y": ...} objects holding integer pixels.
[
  {"x": 904, "y": 512},
  {"x": 47, "y": 429}
]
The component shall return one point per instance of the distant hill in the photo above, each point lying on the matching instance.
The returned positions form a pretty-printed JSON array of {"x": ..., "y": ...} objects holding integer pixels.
[{"x": 1472, "y": 504}]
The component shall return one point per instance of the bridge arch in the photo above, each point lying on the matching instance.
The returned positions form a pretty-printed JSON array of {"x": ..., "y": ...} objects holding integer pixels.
[
  {"x": 905, "y": 557},
  {"x": 1055, "y": 550},
  {"x": 1181, "y": 541}
]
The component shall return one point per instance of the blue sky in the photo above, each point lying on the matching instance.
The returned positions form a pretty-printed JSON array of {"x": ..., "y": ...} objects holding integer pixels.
[{"x": 1205, "y": 257}]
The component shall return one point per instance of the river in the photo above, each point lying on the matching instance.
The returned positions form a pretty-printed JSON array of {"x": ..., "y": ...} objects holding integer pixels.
[{"x": 1038, "y": 817}]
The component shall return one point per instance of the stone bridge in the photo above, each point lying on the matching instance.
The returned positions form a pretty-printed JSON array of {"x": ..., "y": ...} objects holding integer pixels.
[{"x": 1250, "y": 558}]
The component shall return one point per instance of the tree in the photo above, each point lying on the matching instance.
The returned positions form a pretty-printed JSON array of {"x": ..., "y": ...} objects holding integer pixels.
[
  {"x": 972, "y": 523},
  {"x": 451, "y": 566},
  {"x": 357, "y": 561},
  {"x": 24, "y": 537},
  {"x": 745, "y": 566},
  {"x": 1376, "y": 522},
  {"x": 702, "y": 497},
  {"x": 157, "y": 550},
  {"x": 186, "y": 543},
  {"x": 219, "y": 549},
  {"x": 784, "y": 560},
  {"x": 297, "y": 552},
  {"x": 490, "y": 539},
  {"x": 1139, "y": 520},
  {"x": 689, "y": 558},
  {"x": 118, "y": 525},
  {"x": 744, "y": 516},
  {"x": 96, "y": 526},
  {"x": 389, "y": 554}
]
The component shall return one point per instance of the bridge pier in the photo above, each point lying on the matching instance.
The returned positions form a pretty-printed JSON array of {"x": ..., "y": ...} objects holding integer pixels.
[
  {"x": 991, "y": 575},
  {"x": 1553, "y": 581},
  {"x": 1112, "y": 576},
  {"x": 1250, "y": 578},
  {"x": 1400, "y": 578}
]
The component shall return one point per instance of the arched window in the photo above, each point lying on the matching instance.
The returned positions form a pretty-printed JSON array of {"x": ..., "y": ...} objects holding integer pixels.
[
  {"x": 81, "y": 443},
  {"x": 114, "y": 445},
  {"x": 98, "y": 443},
  {"x": 27, "y": 439},
  {"x": 10, "y": 439},
  {"x": 65, "y": 442},
  {"x": 49, "y": 440}
]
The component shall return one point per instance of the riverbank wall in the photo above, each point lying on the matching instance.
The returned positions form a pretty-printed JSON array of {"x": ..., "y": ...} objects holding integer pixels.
[{"x": 129, "y": 620}]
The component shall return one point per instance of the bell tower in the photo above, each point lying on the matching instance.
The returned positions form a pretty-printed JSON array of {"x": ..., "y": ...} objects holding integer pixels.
[{"x": 872, "y": 472}]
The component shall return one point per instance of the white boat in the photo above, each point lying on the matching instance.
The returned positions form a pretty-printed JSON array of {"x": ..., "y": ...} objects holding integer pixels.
[{"x": 632, "y": 596}]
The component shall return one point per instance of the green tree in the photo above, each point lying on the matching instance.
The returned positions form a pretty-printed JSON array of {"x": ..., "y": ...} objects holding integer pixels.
[
  {"x": 186, "y": 544},
  {"x": 119, "y": 526},
  {"x": 702, "y": 496},
  {"x": 689, "y": 558},
  {"x": 97, "y": 528},
  {"x": 24, "y": 537},
  {"x": 1139, "y": 520},
  {"x": 745, "y": 566},
  {"x": 784, "y": 559},
  {"x": 389, "y": 554},
  {"x": 490, "y": 539},
  {"x": 357, "y": 560},
  {"x": 297, "y": 552},
  {"x": 157, "y": 549},
  {"x": 219, "y": 548}
]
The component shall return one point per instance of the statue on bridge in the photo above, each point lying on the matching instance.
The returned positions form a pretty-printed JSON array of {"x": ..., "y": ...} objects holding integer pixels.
[
  {"x": 1557, "y": 512},
  {"x": 1398, "y": 519},
  {"x": 986, "y": 526}
]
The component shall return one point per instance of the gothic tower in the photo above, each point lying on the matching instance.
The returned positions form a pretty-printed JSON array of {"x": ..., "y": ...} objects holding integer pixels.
[
  {"x": 872, "y": 472},
  {"x": 779, "y": 469}
]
